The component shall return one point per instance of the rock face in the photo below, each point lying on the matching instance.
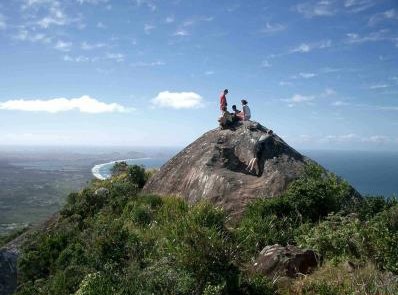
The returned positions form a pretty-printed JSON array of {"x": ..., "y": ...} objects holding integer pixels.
[
  {"x": 287, "y": 261},
  {"x": 214, "y": 168},
  {"x": 8, "y": 270},
  {"x": 8, "y": 265}
]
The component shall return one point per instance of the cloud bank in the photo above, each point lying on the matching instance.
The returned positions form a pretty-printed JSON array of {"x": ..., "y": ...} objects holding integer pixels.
[
  {"x": 178, "y": 100},
  {"x": 83, "y": 104}
]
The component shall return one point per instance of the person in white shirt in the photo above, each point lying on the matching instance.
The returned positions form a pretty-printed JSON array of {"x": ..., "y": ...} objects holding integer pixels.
[{"x": 246, "y": 110}]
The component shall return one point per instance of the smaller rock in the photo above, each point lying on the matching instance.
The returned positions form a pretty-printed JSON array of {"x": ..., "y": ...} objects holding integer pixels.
[
  {"x": 286, "y": 261},
  {"x": 102, "y": 191}
]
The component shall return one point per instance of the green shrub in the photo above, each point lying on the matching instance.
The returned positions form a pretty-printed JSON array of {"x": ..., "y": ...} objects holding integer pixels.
[
  {"x": 381, "y": 237},
  {"x": 119, "y": 168},
  {"x": 257, "y": 285},
  {"x": 96, "y": 284},
  {"x": 8, "y": 237},
  {"x": 136, "y": 174},
  {"x": 337, "y": 279},
  {"x": 257, "y": 231},
  {"x": 201, "y": 244},
  {"x": 340, "y": 237},
  {"x": 39, "y": 256},
  {"x": 318, "y": 193},
  {"x": 337, "y": 237},
  {"x": 369, "y": 206}
]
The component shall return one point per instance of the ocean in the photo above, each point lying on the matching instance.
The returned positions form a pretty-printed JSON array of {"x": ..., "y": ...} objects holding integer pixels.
[{"x": 371, "y": 173}]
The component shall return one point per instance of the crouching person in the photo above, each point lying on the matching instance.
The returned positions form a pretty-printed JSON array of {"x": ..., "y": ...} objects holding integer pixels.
[{"x": 226, "y": 119}]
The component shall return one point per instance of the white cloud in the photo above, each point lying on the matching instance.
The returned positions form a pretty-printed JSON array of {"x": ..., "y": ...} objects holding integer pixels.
[
  {"x": 233, "y": 7},
  {"x": 358, "y": 5},
  {"x": 88, "y": 46},
  {"x": 339, "y": 103},
  {"x": 317, "y": 8},
  {"x": 47, "y": 13},
  {"x": 178, "y": 100},
  {"x": 63, "y": 46},
  {"x": 118, "y": 57},
  {"x": 328, "y": 92},
  {"x": 350, "y": 137},
  {"x": 307, "y": 99},
  {"x": 285, "y": 83},
  {"x": 181, "y": 33},
  {"x": 378, "y": 86},
  {"x": 84, "y": 104},
  {"x": 148, "y": 28},
  {"x": 2, "y": 22},
  {"x": 324, "y": 8},
  {"x": 100, "y": 25},
  {"x": 386, "y": 15},
  {"x": 193, "y": 21},
  {"x": 265, "y": 64},
  {"x": 29, "y": 3},
  {"x": 26, "y": 35},
  {"x": 299, "y": 99},
  {"x": 307, "y": 75},
  {"x": 307, "y": 47},
  {"x": 272, "y": 28},
  {"x": 148, "y": 64},
  {"x": 169, "y": 19},
  {"x": 209, "y": 73},
  {"x": 148, "y": 3},
  {"x": 377, "y": 139},
  {"x": 188, "y": 23},
  {"x": 34, "y": 138},
  {"x": 56, "y": 17},
  {"x": 387, "y": 108},
  {"x": 381, "y": 35},
  {"x": 95, "y": 2},
  {"x": 79, "y": 59}
]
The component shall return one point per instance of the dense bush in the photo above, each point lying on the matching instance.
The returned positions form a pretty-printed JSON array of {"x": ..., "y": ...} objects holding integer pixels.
[
  {"x": 338, "y": 237},
  {"x": 341, "y": 237},
  {"x": 119, "y": 168},
  {"x": 308, "y": 199},
  {"x": 339, "y": 280},
  {"x": 118, "y": 241},
  {"x": 155, "y": 245}
]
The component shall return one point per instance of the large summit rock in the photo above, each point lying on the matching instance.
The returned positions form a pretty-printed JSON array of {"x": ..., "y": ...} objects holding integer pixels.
[{"x": 214, "y": 168}]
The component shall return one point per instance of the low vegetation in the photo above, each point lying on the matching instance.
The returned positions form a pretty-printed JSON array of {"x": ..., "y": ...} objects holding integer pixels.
[{"x": 122, "y": 242}]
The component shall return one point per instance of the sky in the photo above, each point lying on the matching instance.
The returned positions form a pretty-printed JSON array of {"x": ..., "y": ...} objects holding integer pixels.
[{"x": 321, "y": 74}]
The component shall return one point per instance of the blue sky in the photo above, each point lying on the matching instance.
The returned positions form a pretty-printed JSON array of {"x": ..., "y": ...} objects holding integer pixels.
[{"x": 322, "y": 74}]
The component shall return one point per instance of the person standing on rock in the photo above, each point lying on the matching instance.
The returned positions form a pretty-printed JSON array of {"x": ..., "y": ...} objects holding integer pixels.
[
  {"x": 257, "y": 151},
  {"x": 246, "y": 110},
  {"x": 223, "y": 100}
]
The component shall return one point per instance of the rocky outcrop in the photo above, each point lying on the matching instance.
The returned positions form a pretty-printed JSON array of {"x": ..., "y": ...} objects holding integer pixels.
[
  {"x": 288, "y": 261},
  {"x": 8, "y": 265},
  {"x": 214, "y": 168},
  {"x": 10, "y": 252},
  {"x": 8, "y": 270}
]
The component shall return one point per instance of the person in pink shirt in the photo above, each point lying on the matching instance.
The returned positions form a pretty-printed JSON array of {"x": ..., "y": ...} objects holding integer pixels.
[{"x": 223, "y": 100}]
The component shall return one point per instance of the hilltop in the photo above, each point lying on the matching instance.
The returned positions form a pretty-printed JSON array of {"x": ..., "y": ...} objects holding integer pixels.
[{"x": 214, "y": 166}]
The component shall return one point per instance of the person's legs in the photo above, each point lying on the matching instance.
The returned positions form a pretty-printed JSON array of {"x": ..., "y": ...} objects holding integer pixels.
[{"x": 252, "y": 164}]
